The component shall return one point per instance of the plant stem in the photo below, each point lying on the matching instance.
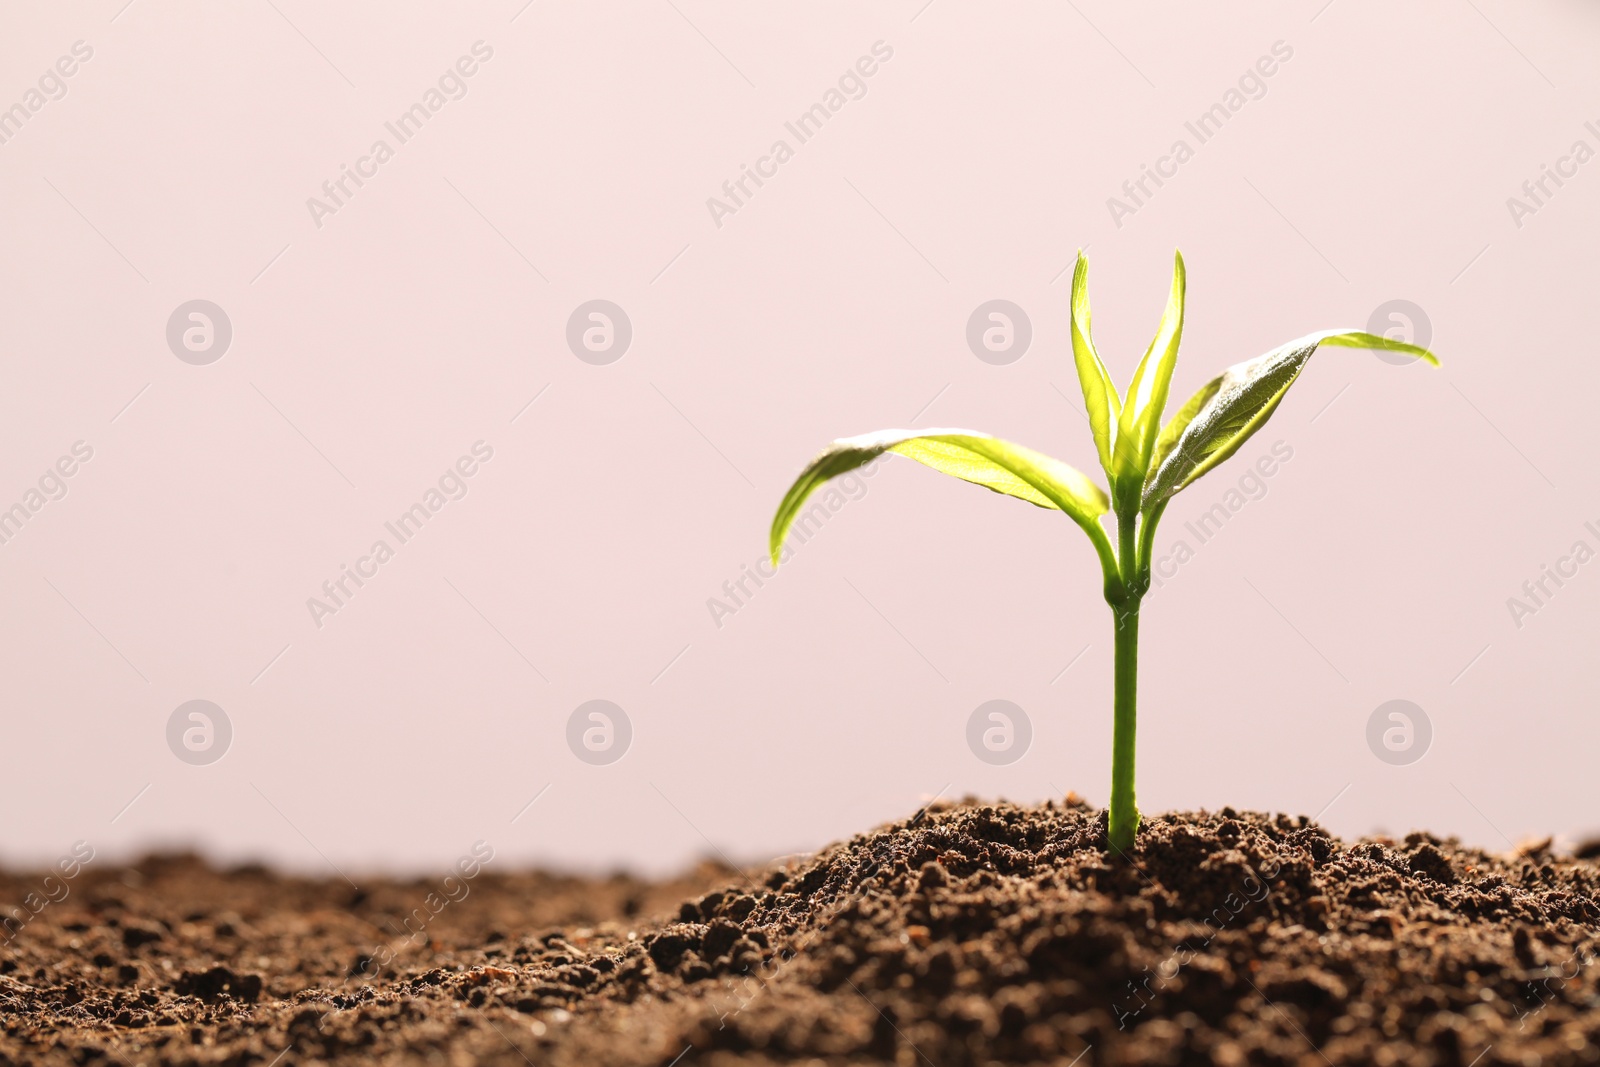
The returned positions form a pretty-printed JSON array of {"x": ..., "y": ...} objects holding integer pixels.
[
  {"x": 1133, "y": 549},
  {"x": 1123, "y": 821}
]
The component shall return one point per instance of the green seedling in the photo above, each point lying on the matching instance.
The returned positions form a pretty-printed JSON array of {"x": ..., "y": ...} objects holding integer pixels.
[{"x": 1145, "y": 462}]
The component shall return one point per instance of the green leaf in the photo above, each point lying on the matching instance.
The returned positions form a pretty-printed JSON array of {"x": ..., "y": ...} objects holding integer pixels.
[
  {"x": 1180, "y": 422},
  {"x": 1362, "y": 339},
  {"x": 1147, "y": 393},
  {"x": 1099, "y": 394},
  {"x": 973, "y": 457},
  {"x": 1230, "y": 408}
]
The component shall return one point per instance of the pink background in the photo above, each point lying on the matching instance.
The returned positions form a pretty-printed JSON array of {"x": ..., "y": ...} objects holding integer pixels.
[{"x": 371, "y": 351}]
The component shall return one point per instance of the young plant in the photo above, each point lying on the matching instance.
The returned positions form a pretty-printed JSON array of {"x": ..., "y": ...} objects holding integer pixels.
[{"x": 1145, "y": 462}]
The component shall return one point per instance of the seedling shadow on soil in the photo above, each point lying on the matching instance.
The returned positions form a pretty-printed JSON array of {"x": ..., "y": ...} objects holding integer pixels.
[{"x": 969, "y": 933}]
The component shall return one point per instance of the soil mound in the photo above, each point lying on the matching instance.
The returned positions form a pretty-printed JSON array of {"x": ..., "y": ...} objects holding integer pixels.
[{"x": 967, "y": 934}]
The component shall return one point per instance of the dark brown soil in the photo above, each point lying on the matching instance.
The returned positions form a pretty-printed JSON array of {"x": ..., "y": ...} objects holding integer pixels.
[{"x": 968, "y": 934}]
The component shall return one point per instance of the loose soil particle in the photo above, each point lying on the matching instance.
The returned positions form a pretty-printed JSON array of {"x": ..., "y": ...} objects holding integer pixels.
[{"x": 968, "y": 934}]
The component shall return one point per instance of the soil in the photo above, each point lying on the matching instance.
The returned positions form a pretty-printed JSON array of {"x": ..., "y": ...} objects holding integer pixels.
[{"x": 970, "y": 933}]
